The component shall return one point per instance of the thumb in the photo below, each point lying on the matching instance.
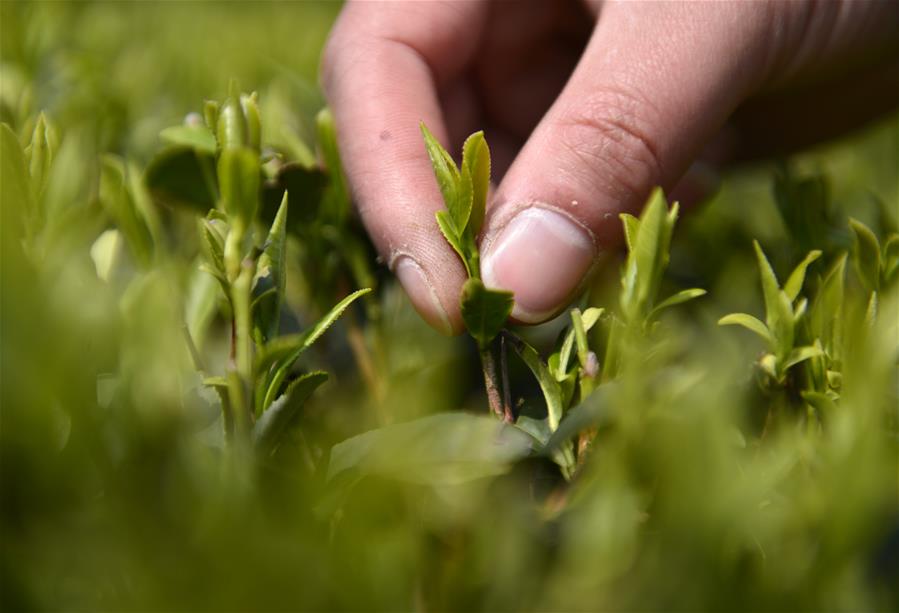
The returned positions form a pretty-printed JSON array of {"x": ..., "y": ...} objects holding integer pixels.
[{"x": 656, "y": 81}]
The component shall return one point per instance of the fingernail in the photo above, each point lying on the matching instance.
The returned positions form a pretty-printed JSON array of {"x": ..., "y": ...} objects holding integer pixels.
[
  {"x": 541, "y": 256},
  {"x": 422, "y": 294}
]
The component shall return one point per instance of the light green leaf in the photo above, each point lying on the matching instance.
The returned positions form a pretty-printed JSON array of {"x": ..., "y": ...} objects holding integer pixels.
[
  {"x": 794, "y": 284},
  {"x": 647, "y": 259},
  {"x": 476, "y": 158},
  {"x": 866, "y": 255},
  {"x": 105, "y": 251},
  {"x": 271, "y": 276},
  {"x": 552, "y": 392},
  {"x": 448, "y": 176},
  {"x": 778, "y": 306},
  {"x": 580, "y": 336},
  {"x": 277, "y": 418},
  {"x": 822, "y": 403},
  {"x": 40, "y": 155},
  {"x": 675, "y": 299},
  {"x": 750, "y": 323},
  {"x": 631, "y": 229},
  {"x": 118, "y": 202},
  {"x": 239, "y": 175},
  {"x": 446, "y": 448},
  {"x": 484, "y": 311},
  {"x": 16, "y": 197},
  {"x": 198, "y": 137},
  {"x": 801, "y": 354},
  {"x": 213, "y": 243}
]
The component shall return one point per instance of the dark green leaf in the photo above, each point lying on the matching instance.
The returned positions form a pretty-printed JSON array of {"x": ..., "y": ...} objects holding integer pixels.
[
  {"x": 484, "y": 311},
  {"x": 182, "y": 177},
  {"x": 277, "y": 418},
  {"x": 271, "y": 276}
]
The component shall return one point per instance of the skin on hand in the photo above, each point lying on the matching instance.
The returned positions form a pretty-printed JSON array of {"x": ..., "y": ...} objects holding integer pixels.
[{"x": 586, "y": 106}]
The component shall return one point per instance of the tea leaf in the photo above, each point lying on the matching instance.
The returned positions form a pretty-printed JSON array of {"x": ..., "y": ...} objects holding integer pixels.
[
  {"x": 239, "y": 175},
  {"x": 476, "y": 158},
  {"x": 184, "y": 177},
  {"x": 631, "y": 229},
  {"x": 675, "y": 299},
  {"x": 801, "y": 354},
  {"x": 552, "y": 393},
  {"x": 448, "y": 177},
  {"x": 891, "y": 259},
  {"x": 866, "y": 255},
  {"x": 446, "y": 448},
  {"x": 277, "y": 418},
  {"x": 15, "y": 192},
  {"x": 119, "y": 204},
  {"x": 750, "y": 323},
  {"x": 448, "y": 228},
  {"x": 199, "y": 138},
  {"x": 271, "y": 276},
  {"x": 794, "y": 284},
  {"x": 778, "y": 307},
  {"x": 292, "y": 345},
  {"x": 484, "y": 311},
  {"x": 593, "y": 411}
]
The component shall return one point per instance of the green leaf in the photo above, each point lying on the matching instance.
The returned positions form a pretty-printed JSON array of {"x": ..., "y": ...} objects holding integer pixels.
[
  {"x": 558, "y": 362},
  {"x": 105, "y": 252},
  {"x": 750, "y": 323},
  {"x": 200, "y": 138},
  {"x": 794, "y": 284},
  {"x": 40, "y": 155},
  {"x": 276, "y": 420},
  {"x": 484, "y": 311},
  {"x": 647, "y": 259},
  {"x": 448, "y": 228},
  {"x": 213, "y": 243},
  {"x": 826, "y": 314},
  {"x": 239, "y": 176},
  {"x": 866, "y": 255},
  {"x": 778, "y": 307},
  {"x": 891, "y": 259},
  {"x": 476, "y": 159},
  {"x": 307, "y": 187},
  {"x": 592, "y": 412},
  {"x": 184, "y": 177},
  {"x": 675, "y": 299},
  {"x": 16, "y": 197},
  {"x": 822, "y": 403},
  {"x": 292, "y": 345},
  {"x": 631, "y": 229},
  {"x": 446, "y": 172},
  {"x": 801, "y": 354},
  {"x": 446, "y": 448},
  {"x": 118, "y": 202},
  {"x": 271, "y": 276},
  {"x": 580, "y": 336},
  {"x": 552, "y": 392}
]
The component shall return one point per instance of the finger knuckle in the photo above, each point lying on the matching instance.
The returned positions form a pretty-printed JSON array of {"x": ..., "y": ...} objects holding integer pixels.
[{"x": 610, "y": 136}]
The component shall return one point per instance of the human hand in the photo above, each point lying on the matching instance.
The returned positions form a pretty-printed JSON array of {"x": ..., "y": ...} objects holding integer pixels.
[{"x": 586, "y": 107}]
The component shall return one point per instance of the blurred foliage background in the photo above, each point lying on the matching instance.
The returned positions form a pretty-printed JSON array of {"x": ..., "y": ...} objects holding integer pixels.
[{"x": 118, "y": 495}]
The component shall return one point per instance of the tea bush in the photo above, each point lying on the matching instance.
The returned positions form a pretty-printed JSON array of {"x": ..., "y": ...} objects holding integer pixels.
[{"x": 215, "y": 397}]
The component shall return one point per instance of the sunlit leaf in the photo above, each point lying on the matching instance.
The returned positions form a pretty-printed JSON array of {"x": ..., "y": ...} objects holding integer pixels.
[
  {"x": 794, "y": 284},
  {"x": 750, "y": 323},
  {"x": 476, "y": 158}
]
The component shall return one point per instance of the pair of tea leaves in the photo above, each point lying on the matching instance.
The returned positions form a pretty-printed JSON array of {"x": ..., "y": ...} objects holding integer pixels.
[{"x": 464, "y": 189}]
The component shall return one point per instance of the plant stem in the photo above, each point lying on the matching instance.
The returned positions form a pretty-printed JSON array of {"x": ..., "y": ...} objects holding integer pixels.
[{"x": 493, "y": 384}]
